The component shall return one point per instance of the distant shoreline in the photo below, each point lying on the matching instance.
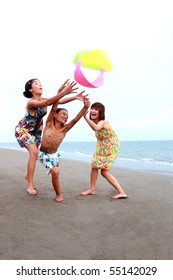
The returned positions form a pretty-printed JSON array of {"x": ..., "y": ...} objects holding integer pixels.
[{"x": 136, "y": 165}]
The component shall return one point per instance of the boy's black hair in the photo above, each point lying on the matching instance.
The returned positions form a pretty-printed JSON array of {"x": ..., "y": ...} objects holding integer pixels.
[{"x": 60, "y": 109}]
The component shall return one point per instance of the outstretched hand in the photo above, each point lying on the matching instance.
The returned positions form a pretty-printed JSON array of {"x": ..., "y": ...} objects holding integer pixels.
[
  {"x": 68, "y": 87},
  {"x": 63, "y": 85},
  {"x": 83, "y": 97}
]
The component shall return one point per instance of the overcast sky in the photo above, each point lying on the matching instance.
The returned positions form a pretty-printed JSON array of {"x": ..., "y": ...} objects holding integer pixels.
[{"x": 39, "y": 38}]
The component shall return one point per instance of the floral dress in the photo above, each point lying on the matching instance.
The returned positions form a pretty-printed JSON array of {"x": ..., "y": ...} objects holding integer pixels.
[
  {"x": 107, "y": 148},
  {"x": 29, "y": 129}
]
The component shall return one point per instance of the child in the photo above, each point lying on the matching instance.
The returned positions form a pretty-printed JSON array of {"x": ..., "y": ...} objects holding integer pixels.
[
  {"x": 54, "y": 132},
  {"x": 107, "y": 149},
  {"x": 29, "y": 129}
]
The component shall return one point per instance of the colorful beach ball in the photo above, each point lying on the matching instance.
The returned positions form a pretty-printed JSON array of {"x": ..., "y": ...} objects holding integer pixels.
[{"x": 93, "y": 60}]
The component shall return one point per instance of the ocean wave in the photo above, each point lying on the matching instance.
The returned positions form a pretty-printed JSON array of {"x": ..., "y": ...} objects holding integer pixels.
[
  {"x": 81, "y": 155},
  {"x": 148, "y": 161},
  {"x": 154, "y": 159}
]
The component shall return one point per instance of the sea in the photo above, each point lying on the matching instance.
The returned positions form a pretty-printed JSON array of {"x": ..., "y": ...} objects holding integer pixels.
[{"x": 150, "y": 156}]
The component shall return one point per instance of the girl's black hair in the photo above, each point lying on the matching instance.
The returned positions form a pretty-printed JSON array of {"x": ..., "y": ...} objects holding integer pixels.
[
  {"x": 27, "y": 93},
  {"x": 101, "y": 109}
]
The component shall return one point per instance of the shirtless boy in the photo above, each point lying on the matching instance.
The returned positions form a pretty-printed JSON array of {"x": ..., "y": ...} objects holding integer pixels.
[{"x": 54, "y": 132}]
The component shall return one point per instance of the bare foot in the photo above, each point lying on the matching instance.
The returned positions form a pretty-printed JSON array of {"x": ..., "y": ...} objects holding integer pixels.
[
  {"x": 59, "y": 199},
  {"x": 31, "y": 191},
  {"x": 120, "y": 196},
  {"x": 26, "y": 178},
  {"x": 88, "y": 192}
]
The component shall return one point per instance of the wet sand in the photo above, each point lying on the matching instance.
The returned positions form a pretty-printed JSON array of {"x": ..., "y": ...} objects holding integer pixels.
[{"x": 83, "y": 228}]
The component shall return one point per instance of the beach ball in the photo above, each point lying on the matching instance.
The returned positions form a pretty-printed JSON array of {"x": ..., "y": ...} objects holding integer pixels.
[{"x": 93, "y": 60}]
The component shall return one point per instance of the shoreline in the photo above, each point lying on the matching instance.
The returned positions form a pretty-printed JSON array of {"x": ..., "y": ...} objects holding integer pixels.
[
  {"x": 121, "y": 163},
  {"x": 83, "y": 228}
]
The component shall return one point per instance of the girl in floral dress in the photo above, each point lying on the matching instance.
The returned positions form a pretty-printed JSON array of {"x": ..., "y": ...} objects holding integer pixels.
[
  {"x": 107, "y": 150},
  {"x": 29, "y": 129}
]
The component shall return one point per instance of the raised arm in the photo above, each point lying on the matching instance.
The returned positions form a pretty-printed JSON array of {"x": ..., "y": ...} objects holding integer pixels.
[
  {"x": 80, "y": 96},
  {"x": 67, "y": 89},
  {"x": 93, "y": 125},
  {"x": 79, "y": 115},
  {"x": 54, "y": 106}
]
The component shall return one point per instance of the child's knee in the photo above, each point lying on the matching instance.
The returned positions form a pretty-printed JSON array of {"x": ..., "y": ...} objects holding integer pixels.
[
  {"x": 103, "y": 171},
  {"x": 55, "y": 172},
  {"x": 34, "y": 154}
]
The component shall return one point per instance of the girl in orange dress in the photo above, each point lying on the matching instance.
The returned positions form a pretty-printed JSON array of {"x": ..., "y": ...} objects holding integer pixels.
[{"x": 107, "y": 150}]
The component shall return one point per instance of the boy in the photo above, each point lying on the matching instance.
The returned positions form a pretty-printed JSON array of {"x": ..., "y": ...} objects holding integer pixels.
[{"x": 54, "y": 132}]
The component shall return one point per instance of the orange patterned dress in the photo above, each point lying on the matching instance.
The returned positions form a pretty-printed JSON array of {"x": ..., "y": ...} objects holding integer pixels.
[{"x": 107, "y": 148}]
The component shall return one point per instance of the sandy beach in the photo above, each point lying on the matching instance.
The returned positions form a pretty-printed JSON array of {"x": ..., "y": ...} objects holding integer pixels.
[{"x": 83, "y": 228}]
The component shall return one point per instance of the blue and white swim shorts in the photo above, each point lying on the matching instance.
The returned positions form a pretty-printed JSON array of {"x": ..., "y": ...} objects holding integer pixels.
[{"x": 49, "y": 160}]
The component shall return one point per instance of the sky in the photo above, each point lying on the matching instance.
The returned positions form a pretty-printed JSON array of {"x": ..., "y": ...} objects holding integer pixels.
[{"x": 39, "y": 38}]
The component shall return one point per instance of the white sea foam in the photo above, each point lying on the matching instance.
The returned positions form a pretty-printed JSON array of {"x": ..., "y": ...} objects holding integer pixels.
[{"x": 143, "y": 155}]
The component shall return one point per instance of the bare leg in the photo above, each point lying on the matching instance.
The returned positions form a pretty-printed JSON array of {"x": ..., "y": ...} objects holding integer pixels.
[
  {"x": 93, "y": 179},
  {"x": 113, "y": 181},
  {"x": 26, "y": 178},
  {"x": 55, "y": 182},
  {"x": 33, "y": 154}
]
